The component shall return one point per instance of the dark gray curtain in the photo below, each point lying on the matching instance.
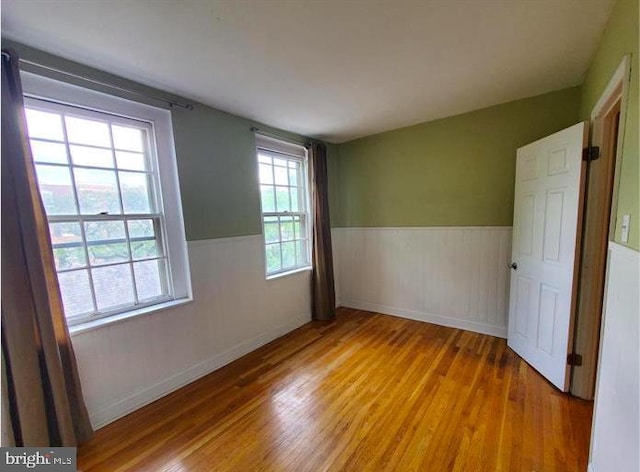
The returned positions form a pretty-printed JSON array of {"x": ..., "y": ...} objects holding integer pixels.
[
  {"x": 322, "y": 283},
  {"x": 43, "y": 391}
]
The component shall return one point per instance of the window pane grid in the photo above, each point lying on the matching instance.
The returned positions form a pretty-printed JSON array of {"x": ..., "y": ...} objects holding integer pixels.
[
  {"x": 89, "y": 274},
  {"x": 299, "y": 248},
  {"x": 82, "y": 229},
  {"x": 84, "y": 144},
  {"x": 163, "y": 293},
  {"x": 100, "y": 242},
  {"x": 117, "y": 174},
  {"x": 116, "y": 170},
  {"x": 100, "y": 217},
  {"x": 89, "y": 267},
  {"x": 288, "y": 241},
  {"x": 284, "y": 210},
  {"x": 106, "y": 260},
  {"x": 279, "y": 154},
  {"x": 81, "y": 166},
  {"x": 126, "y": 226}
]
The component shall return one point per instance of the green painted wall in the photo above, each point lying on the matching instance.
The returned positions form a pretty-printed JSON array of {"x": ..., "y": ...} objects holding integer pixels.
[
  {"x": 454, "y": 171},
  {"x": 218, "y": 176},
  {"x": 457, "y": 171},
  {"x": 620, "y": 38},
  {"x": 215, "y": 153},
  {"x": 333, "y": 162}
]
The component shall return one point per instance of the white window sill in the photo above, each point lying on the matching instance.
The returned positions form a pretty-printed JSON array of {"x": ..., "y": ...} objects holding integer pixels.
[
  {"x": 277, "y": 275},
  {"x": 108, "y": 320}
]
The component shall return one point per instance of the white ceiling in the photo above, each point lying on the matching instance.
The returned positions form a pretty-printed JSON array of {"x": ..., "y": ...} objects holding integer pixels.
[{"x": 331, "y": 69}]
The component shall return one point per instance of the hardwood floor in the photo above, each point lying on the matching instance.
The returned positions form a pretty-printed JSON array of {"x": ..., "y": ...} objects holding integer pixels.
[{"x": 367, "y": 392}]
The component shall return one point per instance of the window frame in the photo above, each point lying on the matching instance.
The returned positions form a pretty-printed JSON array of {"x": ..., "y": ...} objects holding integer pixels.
[
  {"x": 295, "y": 152},
  {"x": 171, "y": 237}
]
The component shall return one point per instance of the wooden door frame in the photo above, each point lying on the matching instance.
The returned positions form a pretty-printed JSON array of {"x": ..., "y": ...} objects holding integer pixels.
[
  {"x": 588, "y": 324},
  {"x": 620, "y": 79}
]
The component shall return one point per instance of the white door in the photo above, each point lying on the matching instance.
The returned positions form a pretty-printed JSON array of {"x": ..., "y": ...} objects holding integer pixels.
[{"x": 545, "y": 223}]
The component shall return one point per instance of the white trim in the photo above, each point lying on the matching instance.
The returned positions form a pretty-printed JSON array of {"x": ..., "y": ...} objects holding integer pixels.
[
  {"x": 624, "y": 251},
  {"x": 620, "y": 76},
  {"x": 269, "y": 143},
  {"x": 590, "y": 467},
  {"x": 124, "y": 316},
  {"x": 420, "y": 228},
  {"x": 47, "y": 88},
  {"x": 168, "y": 194},
  {"x": 441, "y": 320},
  {"x": 159, "y": 390},
  {"x": 290, "y": 152},
  {"x": 277, "y": 275},
  {"x": 221, "y": 240},
  {"x": 616, "y": 90}
]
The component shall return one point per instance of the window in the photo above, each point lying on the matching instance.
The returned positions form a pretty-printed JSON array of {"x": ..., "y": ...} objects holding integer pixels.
[
  {"x": 107, "y": 177},
  {"x": 285, "y": 204}
]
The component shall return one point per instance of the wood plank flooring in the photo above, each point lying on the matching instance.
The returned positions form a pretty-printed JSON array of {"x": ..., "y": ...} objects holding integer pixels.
[{"x": 367, "y": 392}]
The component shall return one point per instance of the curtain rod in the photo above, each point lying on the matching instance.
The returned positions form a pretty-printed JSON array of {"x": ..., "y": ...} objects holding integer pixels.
[
  {"x": 171, "y": 103},
  {"x": 306, "y": 144}
]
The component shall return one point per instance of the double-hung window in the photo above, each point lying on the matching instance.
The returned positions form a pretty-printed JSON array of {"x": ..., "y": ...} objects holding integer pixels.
[
  {"x": 107, "y": 178},
  {"x": 285, "y": 205}
]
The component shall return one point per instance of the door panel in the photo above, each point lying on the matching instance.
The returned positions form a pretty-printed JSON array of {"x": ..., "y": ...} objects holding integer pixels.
[
  {"x": 546, "y": 319},
  {"x": 528, "y": 210},
  {"x": 547, "y": 202},
  {"x": 523, "y": 305},
  {"x": 553, "y": 225}
]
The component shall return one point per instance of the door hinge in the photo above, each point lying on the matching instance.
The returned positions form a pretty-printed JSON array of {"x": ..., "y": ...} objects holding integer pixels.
[
  {"x": 591, "y": 153},
  {"x": 574, "y": 359}
]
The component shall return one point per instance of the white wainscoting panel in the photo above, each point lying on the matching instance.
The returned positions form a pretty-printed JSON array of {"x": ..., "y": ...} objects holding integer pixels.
[
  {"x": 128, "y": 364},
  {"x": 335, "y": 235},
  {"x": 616, "y": 427},
  {"x": 452, "y": 276}
]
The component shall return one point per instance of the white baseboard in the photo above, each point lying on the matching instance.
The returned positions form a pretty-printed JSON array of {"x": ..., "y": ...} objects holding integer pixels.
[
  {"x": 441, "y": 320},
  {"x": 159, "y": 390},
  {"x": 451, "y": 276}
]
